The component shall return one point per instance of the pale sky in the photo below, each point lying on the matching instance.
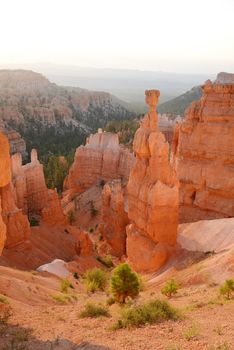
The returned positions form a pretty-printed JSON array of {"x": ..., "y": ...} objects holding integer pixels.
[{"x": 169, "y": 35}]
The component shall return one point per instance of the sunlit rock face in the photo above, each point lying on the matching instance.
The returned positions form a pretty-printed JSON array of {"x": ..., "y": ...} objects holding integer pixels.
[
  {"x": 152, "y": 195},
  {"x": 102, "y": 158},
  {"x": 114, "y": 217},
  {"x": 204, "y": 153},
  {"x": 14, "y": 226},
  {"x": 5, "y": 177}
]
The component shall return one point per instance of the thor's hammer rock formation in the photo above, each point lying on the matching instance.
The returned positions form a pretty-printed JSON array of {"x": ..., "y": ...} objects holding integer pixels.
[{"x": 152, "y": 195}]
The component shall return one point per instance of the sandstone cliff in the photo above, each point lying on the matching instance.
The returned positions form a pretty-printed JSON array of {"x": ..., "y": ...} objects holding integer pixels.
[
  {"x": 114, "y": 217},
  {"x": 4, "y": 181},
  {"x": 204, "y": 154},
  {"x": 101, "y": 159},
  {"x": 152, "y": 196}
]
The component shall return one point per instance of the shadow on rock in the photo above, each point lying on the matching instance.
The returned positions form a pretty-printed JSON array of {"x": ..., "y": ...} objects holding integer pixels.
[{"x": 19, "y": 338}]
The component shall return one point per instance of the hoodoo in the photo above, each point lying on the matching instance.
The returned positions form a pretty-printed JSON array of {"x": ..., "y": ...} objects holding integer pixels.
[
  {"x": 5, "y": 177},
  {"x": 152, "y": 195},
  {"x": 204, "y": 153}
]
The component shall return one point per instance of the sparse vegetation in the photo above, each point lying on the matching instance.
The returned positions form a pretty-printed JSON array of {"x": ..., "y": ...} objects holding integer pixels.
[
  {"x": 148, "y": 313},
  {"x": 171, "y": 287},
  {"x": 3, "y": 299},
  {"x": 94, "y": 310},
  {"x": 191, "y": 333},
  {"x": 124, "y": 283},
  {"x": 33, "y": 221},
  {"x": 93, "y": 210},
  {"x": 227, "y": 289},
  {"x": 110, "y": 301},
  {"x": 65, "y": 285},
  {"x": 62, "y": 299},
  {"x": 71, "y": 217},
  {"x": 106, "y": 261},
  {"x": 75, "y": 275},
  {"x": 95, "y": 279},
  {"x": 223, "y": 346}
]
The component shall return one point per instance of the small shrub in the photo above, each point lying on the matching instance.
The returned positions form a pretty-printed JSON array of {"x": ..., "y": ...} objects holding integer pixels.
[
  {"x": 61, "y": 299},
  {"x": 171, "y": 287},
  {"x": 71, "y": 217},
  {"x": 100, "y": 237},
  {"x": 75, "y": 275},
  {"x": 91, "y": 230},
  {"x": 191, "y": 333},
  {"x": 95, "y": 279},
  {"x": 94, "y": 310},
  {"x": 227, "y": 289},
  {"x": 106, "y": 261},
  {"x": 33, "y": 221},
  {"x": 93, "y": 210},
  {"x": 4, "y": 300},
  {"x": 148, "y": 313},
  {"x": 65, "y": 284},
  {"x": 91, "y": 286},
  {"x": 102, "y": 183},
  {"x": 124, "y": 283},
  {"x": 110, "y": 301}
]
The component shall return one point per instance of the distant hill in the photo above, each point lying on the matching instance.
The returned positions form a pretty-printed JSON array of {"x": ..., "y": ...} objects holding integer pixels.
[
  {"x": 127, "y": 84},
  {"x": 179, "y": 104},
  {"x": 52, "y": 118}
]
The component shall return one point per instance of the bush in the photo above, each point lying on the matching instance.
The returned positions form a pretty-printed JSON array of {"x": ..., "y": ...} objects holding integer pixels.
[
  {"x": 71, "y": 217},
  {"x": 34, "y": 221},
  {"x": 3, "y": 299},
  {"x": 171, "y": 287},
  {"x": 106, "y": 261},
  {"x": 124, "y": 283},
  {"x": 65, "y": 284},
  {"x": 94, "y": 310},
  {"x": 110, "y": 301},
  {"x": 75, "y": 275},
  {"x": 61, "y": 299},
  {"x": 93, "y": 210},
  {"x": 227, "y": 289},
  {"x": 95, "y": 279},
  {"x": 191, "y": 333},
  {"x": 148, "y": 313}
]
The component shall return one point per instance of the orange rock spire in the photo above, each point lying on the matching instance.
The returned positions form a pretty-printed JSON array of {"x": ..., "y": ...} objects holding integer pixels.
[{"x": 152, "y": 195}]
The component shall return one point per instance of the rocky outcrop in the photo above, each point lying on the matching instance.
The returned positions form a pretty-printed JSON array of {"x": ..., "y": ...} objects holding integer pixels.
[
  {"x": 14, "y": 226},
  {"x": 29, "y": 183},
  {"x": 5, "y": 178},
  {"x": 101, "y": 159},
  {"x": 114, "y": 217},
  {"x": 17, "y": 143},
  {"x": 152, "y": 195},
  {"x": 204, "y": 154}
]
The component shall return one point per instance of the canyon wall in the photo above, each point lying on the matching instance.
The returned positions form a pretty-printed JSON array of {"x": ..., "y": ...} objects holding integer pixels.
[
  {"x": 203, "y": 149},
  {"x": 152, "y": 196},
  {"x": 101, "y": 159}
]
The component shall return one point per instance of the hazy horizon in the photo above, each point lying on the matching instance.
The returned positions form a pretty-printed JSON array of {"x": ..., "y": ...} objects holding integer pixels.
[{"x": 150, "y": 35}]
